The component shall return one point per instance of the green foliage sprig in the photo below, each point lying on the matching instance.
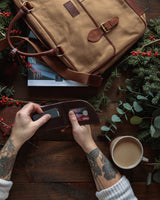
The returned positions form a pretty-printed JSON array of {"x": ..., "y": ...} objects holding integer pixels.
[{"x": 142, "y": 103}]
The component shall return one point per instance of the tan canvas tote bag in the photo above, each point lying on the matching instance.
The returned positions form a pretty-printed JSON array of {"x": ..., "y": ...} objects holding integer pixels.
[{"x": 82, "y": 37}]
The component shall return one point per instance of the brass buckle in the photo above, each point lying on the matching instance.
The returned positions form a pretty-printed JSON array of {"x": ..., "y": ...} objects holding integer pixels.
[
  {"x": 103, "y": 28},
  {"x": 25, "y": 4}
]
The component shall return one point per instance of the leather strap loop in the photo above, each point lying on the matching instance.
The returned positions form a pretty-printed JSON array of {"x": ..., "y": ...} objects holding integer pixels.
[
  {"x": 54, "y": 63},
  {"x": 96, "y": 34},
  {"x": 23, "y": 11}
]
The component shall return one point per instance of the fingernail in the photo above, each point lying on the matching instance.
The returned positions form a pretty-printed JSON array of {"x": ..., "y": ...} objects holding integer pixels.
[{"x": 48, "y": 116}]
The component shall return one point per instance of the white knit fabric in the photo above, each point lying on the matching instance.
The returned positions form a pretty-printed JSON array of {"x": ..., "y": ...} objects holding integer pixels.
[
  {"x": 120, "y": 191},
  {"x": 5, "y": 186}
]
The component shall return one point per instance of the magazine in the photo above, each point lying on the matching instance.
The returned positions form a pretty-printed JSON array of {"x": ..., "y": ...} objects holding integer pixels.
[{"x": 44, "y": 75}]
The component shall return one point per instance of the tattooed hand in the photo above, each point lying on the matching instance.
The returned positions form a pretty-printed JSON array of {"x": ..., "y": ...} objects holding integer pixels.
[
  {"x": 24, "y": 128},
  {"x": 82, "y": 134}
]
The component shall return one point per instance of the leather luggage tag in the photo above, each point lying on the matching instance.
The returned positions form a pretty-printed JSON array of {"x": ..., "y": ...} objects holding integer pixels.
[{"x": 84, "y": 112}]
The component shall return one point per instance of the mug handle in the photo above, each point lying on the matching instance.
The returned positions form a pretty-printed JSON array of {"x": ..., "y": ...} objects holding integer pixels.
[{"x": 144, "y": 159}]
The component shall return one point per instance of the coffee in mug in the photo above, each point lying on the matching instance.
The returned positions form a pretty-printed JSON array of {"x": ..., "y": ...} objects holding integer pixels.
[{"x": 127, "y": 152}]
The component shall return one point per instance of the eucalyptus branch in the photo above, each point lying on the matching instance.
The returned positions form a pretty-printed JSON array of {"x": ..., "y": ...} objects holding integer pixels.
[{"x": 153, "y": 164}]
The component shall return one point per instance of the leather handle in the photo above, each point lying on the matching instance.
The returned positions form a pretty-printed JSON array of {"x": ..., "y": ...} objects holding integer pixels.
[
  {"x": 23, "y": 11},
  {"x": 85, "y": 78}
]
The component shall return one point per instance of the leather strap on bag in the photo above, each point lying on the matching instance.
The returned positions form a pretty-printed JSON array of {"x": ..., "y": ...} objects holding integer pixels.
[
  {"x": 96, "y": 34},
  {"x": 23, "y": 11},
  {"x": 57, "y": 65}
]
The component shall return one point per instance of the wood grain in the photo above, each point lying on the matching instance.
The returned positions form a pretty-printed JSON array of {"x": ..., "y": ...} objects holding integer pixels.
[
  {"x": 58, "y": 168},
  {"x": 74, "y": 191}
]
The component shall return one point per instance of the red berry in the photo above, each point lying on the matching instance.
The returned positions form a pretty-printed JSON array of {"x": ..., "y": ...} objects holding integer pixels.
[{"x": 1, "y": 119}]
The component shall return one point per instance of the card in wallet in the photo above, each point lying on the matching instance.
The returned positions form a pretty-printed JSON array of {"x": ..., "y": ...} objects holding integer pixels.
[{"x": 84, "y": 112}]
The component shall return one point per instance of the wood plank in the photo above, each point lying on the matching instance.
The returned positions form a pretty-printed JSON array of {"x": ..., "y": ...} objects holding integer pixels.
[
  {"x": 51, "y": 191},
  {"x": 74, "y": 191},
  {"x": 152, "y": 7},
  {"x": 63, "y": 161}
]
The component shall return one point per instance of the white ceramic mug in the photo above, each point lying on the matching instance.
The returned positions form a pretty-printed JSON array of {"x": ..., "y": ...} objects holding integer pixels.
[{"x": 127, "y": 152}]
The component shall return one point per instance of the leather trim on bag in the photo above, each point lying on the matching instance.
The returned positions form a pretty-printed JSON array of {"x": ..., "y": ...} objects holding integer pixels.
[
  {"x": 135, "y": 7},
  {"x": 64, "y": 56},
  {"x": 130, "y": 44},
  {"x": 95, "y": 34},
  {"x": 71, "y": 9},
  {"x": 94, "y": 21}
]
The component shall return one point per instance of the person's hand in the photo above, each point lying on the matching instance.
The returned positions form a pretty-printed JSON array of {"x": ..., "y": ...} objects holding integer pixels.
[
  {"x": 24, "y": 127},
  {"x": 82, "y": 134}
]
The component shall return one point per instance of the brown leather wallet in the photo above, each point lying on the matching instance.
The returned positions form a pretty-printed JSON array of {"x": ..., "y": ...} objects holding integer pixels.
[{"x": 84, "y": 112}]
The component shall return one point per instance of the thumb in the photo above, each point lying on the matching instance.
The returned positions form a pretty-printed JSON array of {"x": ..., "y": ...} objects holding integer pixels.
[
  {"x": 42, "y": 120},
  {"x": 73, "y": 119}
]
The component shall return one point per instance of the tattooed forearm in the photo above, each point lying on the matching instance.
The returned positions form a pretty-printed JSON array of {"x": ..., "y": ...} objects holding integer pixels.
[
  {"x": 7, "y": 159},
  {"x": 108, "y": 169},
  {"x": 102, "y": 169}
]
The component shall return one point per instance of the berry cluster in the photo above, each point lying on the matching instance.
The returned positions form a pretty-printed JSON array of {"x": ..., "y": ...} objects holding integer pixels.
[
  {"x": 10, "y": 101},
  {"x": 5, "y": 14},
  {"x": 148, "y": 53},
  {"x": 5, "y": 126},
  {"x": 28, "y": 65}
]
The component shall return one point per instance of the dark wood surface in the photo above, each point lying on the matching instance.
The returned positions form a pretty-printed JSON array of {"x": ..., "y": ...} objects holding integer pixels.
[{"x": 57, "y": 168}]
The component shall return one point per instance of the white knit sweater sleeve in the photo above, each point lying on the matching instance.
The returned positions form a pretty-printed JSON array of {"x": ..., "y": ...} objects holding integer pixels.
[
  {"x": 122, "y": 190},
  {"x": 5, "y": 187}
]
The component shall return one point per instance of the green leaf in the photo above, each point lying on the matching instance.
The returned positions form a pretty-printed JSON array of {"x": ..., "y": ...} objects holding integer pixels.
[
  {"x": 2, "y": 89},
  {"x": 108, "y": 138},
  {"x": 155, "y": 132},
  {"x": 135, "y": 120},
  {"x": 105, "y": 128},
  {"x": 120, "y": 111},
  {"x": 115, "y": 118},
  {"x": 149, "y": 178},
  {"x": 112, "y": 131},
  {"x": 137, "y": 107},
  {"x": 126, "y": 117},
  {"x": 152, "y": 130},
  {"x": 157, "y": 122},
  {"x": 127, "y": 106},
  {"x": 156, "y": 176},
  {"x": 151, "y": 94},
  {"x": 156, "y": 112},
  {"x": 140, "y": 97},
  {"x": 129, "y": 88},
  {"x": 114, "y": 126}
]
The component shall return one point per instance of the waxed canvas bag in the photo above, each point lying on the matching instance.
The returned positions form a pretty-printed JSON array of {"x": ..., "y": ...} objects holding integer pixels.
[{"x": 82, "y": 37}]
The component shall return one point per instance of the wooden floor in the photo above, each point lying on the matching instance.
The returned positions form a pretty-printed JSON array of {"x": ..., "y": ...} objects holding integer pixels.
[{"x": 58, "y": 169}]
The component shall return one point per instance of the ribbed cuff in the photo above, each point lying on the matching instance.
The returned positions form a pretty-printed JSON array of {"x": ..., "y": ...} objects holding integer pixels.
[
  {"x": 121, "y": 190},
  {"x": 5, "y": 187}
]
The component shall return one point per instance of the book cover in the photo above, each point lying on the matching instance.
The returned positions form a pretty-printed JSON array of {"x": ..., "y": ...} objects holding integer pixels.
[{"x": 45, "y": 76}]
